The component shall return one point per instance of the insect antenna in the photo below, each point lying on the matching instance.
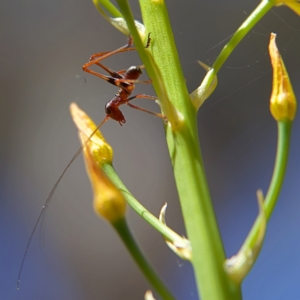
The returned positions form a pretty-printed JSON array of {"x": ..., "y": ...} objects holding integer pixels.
[{"x": 50, "y": 197}]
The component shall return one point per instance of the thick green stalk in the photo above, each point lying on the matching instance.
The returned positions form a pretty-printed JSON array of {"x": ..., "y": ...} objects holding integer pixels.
[
  {"x": 126, "y": 236},
  {"x": 199, "y": 218},
  {"x": 182, "y": 138}
]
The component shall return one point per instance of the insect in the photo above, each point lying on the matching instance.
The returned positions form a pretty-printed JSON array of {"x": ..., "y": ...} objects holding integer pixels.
[{"x": 124, "y": 80}]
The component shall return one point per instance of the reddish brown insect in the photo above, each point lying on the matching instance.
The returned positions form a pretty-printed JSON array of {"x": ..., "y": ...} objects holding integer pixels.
[{"x": 125, "y": 80}]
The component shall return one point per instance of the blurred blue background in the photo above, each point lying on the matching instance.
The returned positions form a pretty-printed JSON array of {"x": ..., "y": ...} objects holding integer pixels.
[{"x": 78, "y": 256}]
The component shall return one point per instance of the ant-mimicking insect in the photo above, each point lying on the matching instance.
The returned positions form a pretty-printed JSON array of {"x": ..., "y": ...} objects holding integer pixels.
[{"x": 123, "y": 79}]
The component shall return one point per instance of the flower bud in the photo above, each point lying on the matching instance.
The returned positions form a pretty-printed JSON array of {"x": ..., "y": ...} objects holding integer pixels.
[
  {"x": 102, "y": 151},
  {"x": 109, "y": 203},
  {"x": 108, "y": 200},
  {"x": 283, "y": 103}
]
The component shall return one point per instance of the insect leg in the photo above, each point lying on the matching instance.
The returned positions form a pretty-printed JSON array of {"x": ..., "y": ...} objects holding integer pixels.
[
  {"x": 143, "y": 109},
  {"x": 147, "y": 111},
  {"x": 97, "y": 57}
]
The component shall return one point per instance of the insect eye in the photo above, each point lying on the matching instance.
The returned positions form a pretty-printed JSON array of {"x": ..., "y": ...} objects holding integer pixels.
[{"x": 107, "y": 110}]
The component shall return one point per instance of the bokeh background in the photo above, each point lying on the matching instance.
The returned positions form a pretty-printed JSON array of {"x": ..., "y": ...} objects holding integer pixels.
[{"x": 78, "y": 256}]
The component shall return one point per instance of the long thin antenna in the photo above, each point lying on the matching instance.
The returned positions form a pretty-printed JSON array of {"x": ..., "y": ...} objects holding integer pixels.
[{"x": 50, "y": 197}]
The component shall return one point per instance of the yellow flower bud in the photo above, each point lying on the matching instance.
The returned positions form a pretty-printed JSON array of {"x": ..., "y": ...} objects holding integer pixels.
[
  {"x": 102, "y": 151},
  {"x": 109, "y": 203},
  {"x": 108, "y": 200},
  {"x": 283, "y": 103}
]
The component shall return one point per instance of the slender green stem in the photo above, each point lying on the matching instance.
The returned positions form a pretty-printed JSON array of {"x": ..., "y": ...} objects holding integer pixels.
[
  {"x": 139, "y": 208},
  {"x": 283, "y": 143},
  {"x": 251, "y": 21},
  {"x": 108, "y": 6},
  {"x": 153, "y": 71},
  {"x": 139, "y": 44},
  {"x": 131, "y": 245}
]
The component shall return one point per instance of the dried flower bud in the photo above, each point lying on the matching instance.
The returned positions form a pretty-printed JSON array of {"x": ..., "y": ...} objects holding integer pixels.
[
  {"x": 283, "y": 103},
  {"x": 181, "y": 246}
]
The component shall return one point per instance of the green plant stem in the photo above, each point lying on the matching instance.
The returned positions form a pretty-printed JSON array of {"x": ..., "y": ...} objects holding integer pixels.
[
  {"x": 108, "y": 6},
  {"x": 139, "y": 208},
  {"x": 184, "y": 148},
  {"x": 124, "y": 233},
  {"x": 243, "y": 30},
  {"x": 251, "y": 21},
  {"x": 283, "y": 144},
  {"x": 152, "y": 69},
  {"x": 199, "y": 218}
]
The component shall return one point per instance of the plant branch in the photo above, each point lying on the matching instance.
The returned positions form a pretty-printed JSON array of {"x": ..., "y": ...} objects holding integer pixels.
[{"x": 124, "y": 233}]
